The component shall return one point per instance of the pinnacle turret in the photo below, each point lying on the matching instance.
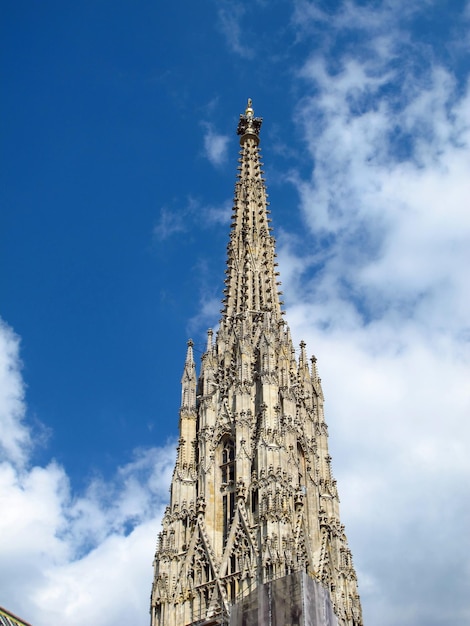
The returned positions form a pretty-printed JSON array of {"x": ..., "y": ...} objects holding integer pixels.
[{"x": 189, "y": 380}]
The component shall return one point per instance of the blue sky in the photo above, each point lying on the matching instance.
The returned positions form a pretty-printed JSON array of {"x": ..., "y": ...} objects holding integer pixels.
[{"x": 118, "y": 162}]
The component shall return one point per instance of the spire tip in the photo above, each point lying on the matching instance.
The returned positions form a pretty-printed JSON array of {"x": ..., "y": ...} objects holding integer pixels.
[{"x": 249, "y": 124}]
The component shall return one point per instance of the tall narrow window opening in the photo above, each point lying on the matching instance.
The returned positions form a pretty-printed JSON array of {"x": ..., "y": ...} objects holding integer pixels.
[
  {"x": 227, "y": 475},
  {"x": 228, "y": 462}
]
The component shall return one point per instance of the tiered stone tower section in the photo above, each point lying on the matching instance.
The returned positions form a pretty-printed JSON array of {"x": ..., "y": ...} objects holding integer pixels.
[{"x": 253, "y": 497}]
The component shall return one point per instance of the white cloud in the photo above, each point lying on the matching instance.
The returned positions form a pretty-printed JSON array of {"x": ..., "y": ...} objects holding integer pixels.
[
  {"x": 215, "y": 145},
  {"x": 382, "y": 298},
  {"x": 219, "y": 214},
  {"x": 170, "y": 222},
  {"x": 407, "y": 214},
  {"x": 14, "y": 436},
  {"x": 230, "y": 15},
  {"x": 109, "y": 584},
  {"x": 208, "y": 314},
  {"x": 72, "y": 558},
  {"x": 182, "y": 218},
  {"x": 399, "y": 441}
]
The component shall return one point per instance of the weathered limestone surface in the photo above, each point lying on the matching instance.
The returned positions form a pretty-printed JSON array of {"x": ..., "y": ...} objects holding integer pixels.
[{"x": 253, "y": 496}]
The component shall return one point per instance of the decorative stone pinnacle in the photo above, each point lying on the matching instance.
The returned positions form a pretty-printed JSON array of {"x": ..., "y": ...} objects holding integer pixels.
[
  {"x": 210, "y": 333},
  {"x": 248, "y": 123},
  {"x": 189, "y": 352}
]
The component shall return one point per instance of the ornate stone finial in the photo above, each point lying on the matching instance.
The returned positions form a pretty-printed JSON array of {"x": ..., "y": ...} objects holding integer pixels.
[
  {"x": 314, "y": 368},
  {"x": 303, "y": 364},
  {"x": 241, "y": 489},
  {"x": 210, "y": 333},
  {"x": 249, "y": 124},
  {"x": 200, "y": 505},
  {"x": 189, "y": 352}
]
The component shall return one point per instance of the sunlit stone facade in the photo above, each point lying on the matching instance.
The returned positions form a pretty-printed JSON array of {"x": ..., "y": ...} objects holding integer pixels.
[{"x": 253, "y": 498}]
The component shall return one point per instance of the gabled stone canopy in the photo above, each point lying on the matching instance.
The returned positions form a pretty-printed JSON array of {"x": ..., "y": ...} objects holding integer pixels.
[{"x": 253, "y": 497}]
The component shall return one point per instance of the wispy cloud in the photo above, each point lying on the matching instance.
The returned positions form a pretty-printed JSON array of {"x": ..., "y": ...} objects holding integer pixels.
[
  {"x": 219, "y": 214},
  {"x": 15, "y": 438},
  {"x": 182, "y": 217},
  {"x": 215, "y": 145},
  {"x": 170, "y": 222},
  {"x": 230, "y": 15},
  {"x": 208, "y": 314}
]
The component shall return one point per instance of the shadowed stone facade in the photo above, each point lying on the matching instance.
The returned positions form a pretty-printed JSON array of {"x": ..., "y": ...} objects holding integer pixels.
[{"x": 253, "y": 498}]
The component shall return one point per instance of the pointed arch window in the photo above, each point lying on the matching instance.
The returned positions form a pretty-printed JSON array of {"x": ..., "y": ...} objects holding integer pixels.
[
  {"x": 227, "y": 476},
  {"x": 227, "y": 467},
  {"x": 302, "y": 473}
]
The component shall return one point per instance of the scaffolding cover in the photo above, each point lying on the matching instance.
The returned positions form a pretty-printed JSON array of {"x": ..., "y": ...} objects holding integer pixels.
[{"x": 294, "y": 600}]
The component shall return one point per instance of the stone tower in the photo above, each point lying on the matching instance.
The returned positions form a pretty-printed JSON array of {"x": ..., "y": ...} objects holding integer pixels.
[{"x": 253, "y": 498}]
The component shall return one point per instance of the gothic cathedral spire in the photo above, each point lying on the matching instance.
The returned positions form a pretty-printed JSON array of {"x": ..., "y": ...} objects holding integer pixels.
[{"x": 253, "y": 499}]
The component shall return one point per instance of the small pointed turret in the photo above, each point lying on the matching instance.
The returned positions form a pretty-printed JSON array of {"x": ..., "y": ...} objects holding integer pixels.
[
  {"x": 303, "y": 363},
  {"x": 210, "y": 334},
  {"x": 189, "y": 380},
  {"x": 316, "y": 380}
]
